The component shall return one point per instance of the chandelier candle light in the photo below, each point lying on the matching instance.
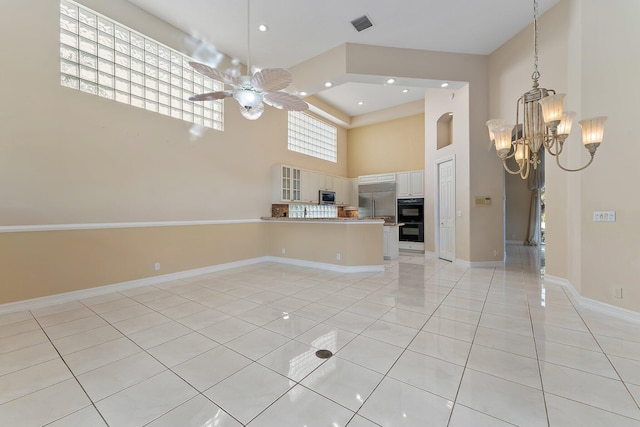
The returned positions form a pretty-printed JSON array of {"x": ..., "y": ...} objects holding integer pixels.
[{"x": 540, "y": 121}]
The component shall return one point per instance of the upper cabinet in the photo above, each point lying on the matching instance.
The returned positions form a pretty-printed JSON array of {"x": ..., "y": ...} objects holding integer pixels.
[
  {"x": 370, "y": 179},
  {"x": 342, "y": 187},
  {"x": 293, "y": 185},
  {"x": 286, "y": 184},
  {"x": 410, "y": 184},
  {"x": 309, "y": 181},
  {"x": 327, "y": 182}
]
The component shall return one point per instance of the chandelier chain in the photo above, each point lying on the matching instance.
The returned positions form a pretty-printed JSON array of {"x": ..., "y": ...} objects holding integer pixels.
[{"x": 536, "y": 74}]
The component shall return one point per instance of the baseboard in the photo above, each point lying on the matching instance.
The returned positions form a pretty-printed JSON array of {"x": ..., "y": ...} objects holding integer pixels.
[
  {"x": 479, "y": 264},
  {"x": 35, "y": 303},
  {"x": 591, "y": 304},
  {"x": 487, "y": 264},
  {"x": 329, "y": 267}
]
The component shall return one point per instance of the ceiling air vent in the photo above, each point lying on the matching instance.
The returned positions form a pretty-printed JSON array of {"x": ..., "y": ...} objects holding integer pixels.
[{"x": 361, "y": 23}]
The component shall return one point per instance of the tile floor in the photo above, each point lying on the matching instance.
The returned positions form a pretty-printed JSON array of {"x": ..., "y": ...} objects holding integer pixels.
[{"x": 426, "y": 343}]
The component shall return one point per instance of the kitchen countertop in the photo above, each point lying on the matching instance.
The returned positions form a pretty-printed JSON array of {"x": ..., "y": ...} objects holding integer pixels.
[{"x": 340, "y": 220}]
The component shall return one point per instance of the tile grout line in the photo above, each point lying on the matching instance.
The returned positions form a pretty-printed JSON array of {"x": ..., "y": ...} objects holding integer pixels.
[{"x": 73, "y": 375}]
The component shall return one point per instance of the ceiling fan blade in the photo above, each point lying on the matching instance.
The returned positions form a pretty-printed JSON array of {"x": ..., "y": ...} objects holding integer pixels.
[
  {"x": 211, "y": 96},
  {"x": 271, "y": 79},
  {"x": 214, "y": 73},
  {"x": 252, "y": 113},
  {"x": 285, "y": 101}
]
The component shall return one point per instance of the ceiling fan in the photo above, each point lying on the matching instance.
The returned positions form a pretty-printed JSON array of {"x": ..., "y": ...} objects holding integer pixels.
[{"x": 251, "y": 91}]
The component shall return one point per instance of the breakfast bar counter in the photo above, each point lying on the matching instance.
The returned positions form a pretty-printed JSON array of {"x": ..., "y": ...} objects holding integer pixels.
[{"x": 340, "y": 244}]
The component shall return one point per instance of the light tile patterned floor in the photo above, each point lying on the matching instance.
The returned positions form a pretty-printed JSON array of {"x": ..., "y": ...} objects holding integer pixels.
[{"x": 426, "y": 343}]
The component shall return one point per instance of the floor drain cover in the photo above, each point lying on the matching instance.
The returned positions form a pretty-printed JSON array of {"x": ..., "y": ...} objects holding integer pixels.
[{"x": 324, "y": 354}]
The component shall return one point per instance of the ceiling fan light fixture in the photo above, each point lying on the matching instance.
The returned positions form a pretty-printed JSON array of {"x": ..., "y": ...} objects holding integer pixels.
[
  {"x": 248, "y": 98},
  {"x": 252, "y": 90}
]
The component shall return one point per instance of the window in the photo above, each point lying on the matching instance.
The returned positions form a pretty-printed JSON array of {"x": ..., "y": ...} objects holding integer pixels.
[
  {"x": 313, "y": 137},
  {"x": 102, "y": 57}
]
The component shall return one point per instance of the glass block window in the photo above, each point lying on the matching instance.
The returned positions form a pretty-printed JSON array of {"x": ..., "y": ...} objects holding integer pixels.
[
  {"x": 312, "y": 211},
  {"x": 311, "y": 136},
  {"x": 104, "y": 58}
]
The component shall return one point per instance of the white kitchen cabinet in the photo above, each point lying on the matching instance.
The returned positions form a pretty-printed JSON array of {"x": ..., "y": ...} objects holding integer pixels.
[
  {"x": 309, "y": 186},
  {"x": 410, "y": 184},
  {"x": 370, "y": 179},
  {"x": 286, "y": 184},
  {"x": 343, "y": 190},
  {"x": 391, "y": 247},
  {"x": 326, "y": 182},
  {"x": 354, "y": 192}
]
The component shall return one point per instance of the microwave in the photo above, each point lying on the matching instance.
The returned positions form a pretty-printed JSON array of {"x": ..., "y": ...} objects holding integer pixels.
[{"x": 327, "y": 197}]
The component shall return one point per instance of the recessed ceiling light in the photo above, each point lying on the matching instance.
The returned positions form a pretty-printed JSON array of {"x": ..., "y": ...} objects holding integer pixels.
[
  {"x": 391, "y": 81},
  {"x": 303, "y": 93},
  {"x": 361, "y": 103},
  {"x": 445, "y": 84},
  {"x": 405, "y": 90},
  {"x": 262, "y": 27},
  {"x": 328, "y": 84}
]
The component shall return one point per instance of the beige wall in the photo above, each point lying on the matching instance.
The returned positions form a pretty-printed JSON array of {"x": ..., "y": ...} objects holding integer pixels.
[
  {"x": 479, "y": 230},
  {"x": 391, "y": 146},
  {"x": 610, "y": 86},
  {"x": 584, "y": 51},
  {"x": 67, "y": 157},
  {"x": 37, "y": 264},
  {"x": 437, "y": 103},
  {"x": 70, "y": 157}
]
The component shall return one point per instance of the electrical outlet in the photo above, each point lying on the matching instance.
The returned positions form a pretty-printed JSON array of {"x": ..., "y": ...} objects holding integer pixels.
[
  {"x": 156, "y": 266},
  {"x": 338, "y": 256},
  {"x": 284, "y": 251},
  {"x": 604, "y": 216},
  {"x": 617, "y": 292}
]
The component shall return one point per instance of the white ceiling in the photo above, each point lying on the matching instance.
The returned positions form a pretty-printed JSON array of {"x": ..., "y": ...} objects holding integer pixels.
[{"x": 302, "y": 29}]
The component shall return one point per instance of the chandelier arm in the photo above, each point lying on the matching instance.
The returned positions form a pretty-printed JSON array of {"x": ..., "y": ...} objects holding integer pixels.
[
  {"x": 549, "y": 148},
  {"x": 554, "y": 140},
  {"x": 528, "y": 168},
  {"x": 504, "y": 163},
  {"x": 579, "y": 169}
]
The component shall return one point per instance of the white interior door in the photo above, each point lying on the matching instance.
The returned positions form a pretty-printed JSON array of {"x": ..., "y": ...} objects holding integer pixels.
[{"x": 446, "y": 210}]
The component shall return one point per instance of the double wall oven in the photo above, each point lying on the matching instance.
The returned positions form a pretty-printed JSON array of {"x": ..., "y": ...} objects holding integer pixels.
[{"x": 411, "y": 213}]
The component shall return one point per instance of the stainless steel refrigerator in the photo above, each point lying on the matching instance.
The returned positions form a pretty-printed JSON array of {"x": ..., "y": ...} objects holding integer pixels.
[{"x": 377, "y": 201}]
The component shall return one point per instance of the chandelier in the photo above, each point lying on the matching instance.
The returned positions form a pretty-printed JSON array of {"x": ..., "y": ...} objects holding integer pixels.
[{"x": 540, "y": 121}]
